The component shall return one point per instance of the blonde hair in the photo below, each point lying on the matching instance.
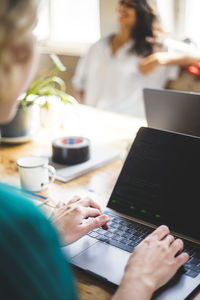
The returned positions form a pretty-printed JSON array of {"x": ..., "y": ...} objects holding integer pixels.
[{"x": 17, "y": 18}]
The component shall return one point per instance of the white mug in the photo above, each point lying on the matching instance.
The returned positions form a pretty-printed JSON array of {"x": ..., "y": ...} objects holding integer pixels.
[{"x": 35, "y": 173}]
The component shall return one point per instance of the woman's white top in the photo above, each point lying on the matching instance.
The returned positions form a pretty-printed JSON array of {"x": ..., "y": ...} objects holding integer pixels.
[{"x": 114, "y": 82}]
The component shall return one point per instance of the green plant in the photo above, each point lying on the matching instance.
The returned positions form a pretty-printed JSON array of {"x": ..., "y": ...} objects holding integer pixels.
[{"x": 49, "y": 84}]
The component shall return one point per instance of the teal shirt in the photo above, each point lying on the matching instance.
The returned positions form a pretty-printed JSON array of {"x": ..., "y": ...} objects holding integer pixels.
[{"x": 32, "y": 265}]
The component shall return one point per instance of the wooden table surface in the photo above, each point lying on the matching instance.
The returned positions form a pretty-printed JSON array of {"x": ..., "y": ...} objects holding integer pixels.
[{"x": 111, "y": 129}]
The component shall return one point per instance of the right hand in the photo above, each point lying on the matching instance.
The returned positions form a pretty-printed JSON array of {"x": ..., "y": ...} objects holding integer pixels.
[{"x": 151, "y": 265}]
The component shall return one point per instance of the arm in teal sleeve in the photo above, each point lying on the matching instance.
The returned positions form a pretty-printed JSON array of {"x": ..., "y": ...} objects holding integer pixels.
[{"x": 32, "y": 265}]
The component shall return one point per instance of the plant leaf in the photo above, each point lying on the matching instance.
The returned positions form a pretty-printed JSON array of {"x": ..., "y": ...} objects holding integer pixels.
[{"x": 56, "y": 60}]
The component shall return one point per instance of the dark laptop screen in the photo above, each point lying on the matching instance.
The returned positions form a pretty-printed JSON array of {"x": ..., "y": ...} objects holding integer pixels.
[{"x": 160, "y": 181}]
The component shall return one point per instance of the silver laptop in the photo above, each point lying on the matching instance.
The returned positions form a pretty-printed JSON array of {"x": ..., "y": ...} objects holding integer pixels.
[
  {"x": 173, "y": 110},
  {"x": 158, "y": 185}
]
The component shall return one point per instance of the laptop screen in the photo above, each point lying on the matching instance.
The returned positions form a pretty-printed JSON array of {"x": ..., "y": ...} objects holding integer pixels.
[{"x": 160, "y": 181}]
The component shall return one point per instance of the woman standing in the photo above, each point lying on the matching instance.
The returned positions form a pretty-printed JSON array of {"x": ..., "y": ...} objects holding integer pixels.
[{"x": 116, "y": 69}]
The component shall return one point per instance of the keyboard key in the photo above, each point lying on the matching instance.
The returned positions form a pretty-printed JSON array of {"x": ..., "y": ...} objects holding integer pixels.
[
  {"x": 130, "y": 230},
  {"x": 131, "y": 226},
  {"x": 102, "y": 238},
  {"x": 108, "y": 213},
  {"x": 101, "y": 231},
  {"x": 133, "y": 244},
  {"x": 109, "y": 234},
  {"x": 135, "y": 239},
  {"x": 122, "y": 228},
  {"x": 137, "y": 233},
  {"x": 125, "y": 223},
  {"x": 124, "y": 241},
  {"x": 187, "y": 266},
  {"x": 120, "y": 245},
  {"x": 196, "y": 269},
  {"x": 115, "y": 225},
  {"x": 127, "y": 236},
  {"x": 142, "y": 235},
  {"x": 117, "y": 238},
  {"x": 119, "y": 232},
  {"x": 117, "y": 220},
  {"x": 190, "y": 266},
  {"x": 111, "y": 229},
  {"x": 93, "y": 234},
  {"x": 191, "y": 273},
  {"x": 194, "y": 261}
]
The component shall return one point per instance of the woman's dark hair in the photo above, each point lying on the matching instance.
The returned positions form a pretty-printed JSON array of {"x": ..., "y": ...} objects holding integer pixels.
[{"x": 147, "y": 27}]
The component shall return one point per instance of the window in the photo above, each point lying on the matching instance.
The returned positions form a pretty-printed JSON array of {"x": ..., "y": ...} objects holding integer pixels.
[
  {"x": 69, "y": 21},
  {"x": 42, "y": 30},
  {"x": 78, "y": 21},
  {"x": 192, "y": 20}
]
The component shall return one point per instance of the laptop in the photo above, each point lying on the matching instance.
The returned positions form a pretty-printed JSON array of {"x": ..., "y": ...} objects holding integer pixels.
[
  {"x": 172, "y": 110},
  {"x": 158, "y": 184}
]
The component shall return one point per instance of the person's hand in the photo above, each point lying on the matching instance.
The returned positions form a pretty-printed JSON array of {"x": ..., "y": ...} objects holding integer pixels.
[
  {"x": 154, "y": 261},
  {"x": 151, "y": 62},
  {"x": 69, "y": 219}
]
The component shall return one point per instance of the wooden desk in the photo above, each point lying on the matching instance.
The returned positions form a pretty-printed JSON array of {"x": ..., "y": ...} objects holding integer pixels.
[{"x": 101, "y": 127}]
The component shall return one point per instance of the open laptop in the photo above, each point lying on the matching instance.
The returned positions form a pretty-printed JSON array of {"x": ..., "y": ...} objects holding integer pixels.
[
  {"x": 173, "y": 110},
  {"x": 158, "y": 184}
]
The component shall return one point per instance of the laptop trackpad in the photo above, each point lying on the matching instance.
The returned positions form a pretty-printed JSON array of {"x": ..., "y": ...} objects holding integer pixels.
[
  {"x": 103, "y": 260},
  {"x": 78, "y": 246}
]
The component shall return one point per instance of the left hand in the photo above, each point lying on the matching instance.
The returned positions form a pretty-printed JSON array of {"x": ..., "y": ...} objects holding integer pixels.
[
  {"x": 151, "y": 62},
  {"x": 69, "y": 219}
]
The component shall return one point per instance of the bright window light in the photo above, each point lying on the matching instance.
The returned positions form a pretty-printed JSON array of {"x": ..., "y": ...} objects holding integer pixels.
[
  {"x": 75, "y": 21},
  {"x": 42, "y": 30},
  {"x": 192, "y": 20},
  {"x": 65, "y": 21}
]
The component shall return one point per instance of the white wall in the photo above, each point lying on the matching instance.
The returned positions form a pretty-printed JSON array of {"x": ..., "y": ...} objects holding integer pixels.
[
  {"x": 108, "y": 16},
  {"x": 166, "y": 11},
  {"x": 192, "y": 20}
]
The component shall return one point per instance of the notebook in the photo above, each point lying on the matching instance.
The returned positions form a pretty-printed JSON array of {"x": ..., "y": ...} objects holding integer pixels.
[{"x": 100, "y": 156}]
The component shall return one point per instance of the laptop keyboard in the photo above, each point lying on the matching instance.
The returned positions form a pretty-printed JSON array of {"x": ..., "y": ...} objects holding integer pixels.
[{"x": 126, "y": 235}]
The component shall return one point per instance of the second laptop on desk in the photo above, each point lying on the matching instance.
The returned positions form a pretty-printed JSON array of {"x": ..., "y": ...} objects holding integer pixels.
[
  {"x": 158, "y": 184},
  {"x": 172, "y": 110}
]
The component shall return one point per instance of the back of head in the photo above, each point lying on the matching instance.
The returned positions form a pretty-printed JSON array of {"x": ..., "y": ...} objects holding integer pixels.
[{"x": 17, "y": 18}]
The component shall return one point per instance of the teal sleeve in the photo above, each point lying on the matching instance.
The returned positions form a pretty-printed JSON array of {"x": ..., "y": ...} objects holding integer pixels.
[{"x": 32, "y": 266}]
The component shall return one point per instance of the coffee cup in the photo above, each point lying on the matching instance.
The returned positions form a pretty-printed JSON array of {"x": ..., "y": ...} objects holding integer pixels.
[{"x": 35, "y": 173}]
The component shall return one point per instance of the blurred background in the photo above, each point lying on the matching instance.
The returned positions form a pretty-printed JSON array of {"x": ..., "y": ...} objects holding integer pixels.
[{"x": 68, "y": 28}]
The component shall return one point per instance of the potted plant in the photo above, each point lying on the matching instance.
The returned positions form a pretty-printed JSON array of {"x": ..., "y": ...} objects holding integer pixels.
[{"x": 27, "y": 117}]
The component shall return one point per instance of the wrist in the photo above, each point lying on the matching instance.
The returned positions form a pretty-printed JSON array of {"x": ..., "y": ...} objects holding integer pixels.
[
  {"x": 162, "y": 58},
  {"x": 134, "y": 287}
]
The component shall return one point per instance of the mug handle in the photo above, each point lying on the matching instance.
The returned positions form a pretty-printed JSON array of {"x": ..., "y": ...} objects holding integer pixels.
[{"x": 52, "y": 173}]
